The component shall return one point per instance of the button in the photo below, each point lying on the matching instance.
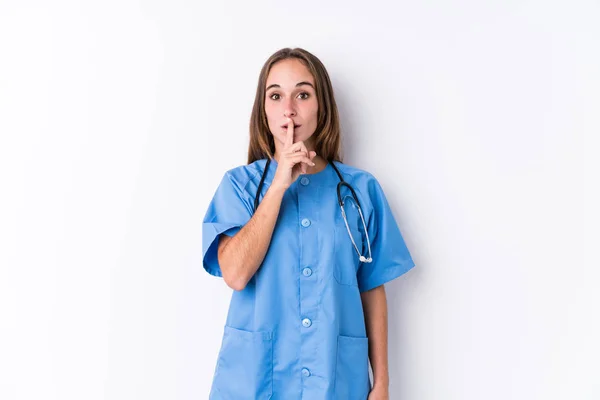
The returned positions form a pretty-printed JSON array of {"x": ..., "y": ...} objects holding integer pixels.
[
  {"x": 305, "y": 222},
  {"x": 304, "y": 181},
  {"x": 305, "y": 372},
  {"x": 306, "y": 322},
  {"x": 307, "y": 271}
]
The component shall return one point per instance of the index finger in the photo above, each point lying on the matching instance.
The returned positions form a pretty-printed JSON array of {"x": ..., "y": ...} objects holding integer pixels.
[{"x": 289, "y": 139}]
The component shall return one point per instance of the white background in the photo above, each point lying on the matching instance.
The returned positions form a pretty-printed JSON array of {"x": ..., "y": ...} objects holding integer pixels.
[{"x": 118, "y": 119}]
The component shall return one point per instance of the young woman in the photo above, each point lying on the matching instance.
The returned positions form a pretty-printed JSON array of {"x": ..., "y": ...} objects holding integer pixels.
[{"x": 307, "y": 243}]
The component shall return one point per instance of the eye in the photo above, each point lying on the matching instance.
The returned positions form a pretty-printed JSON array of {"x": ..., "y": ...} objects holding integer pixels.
[{"x": 301, "y": 93}]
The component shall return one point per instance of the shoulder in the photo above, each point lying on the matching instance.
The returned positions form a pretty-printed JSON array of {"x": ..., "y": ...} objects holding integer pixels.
[
  {"x": 366, "y": 185},
  {"x": 357, "y": 176},
  {"x": 241, "y": 175}
]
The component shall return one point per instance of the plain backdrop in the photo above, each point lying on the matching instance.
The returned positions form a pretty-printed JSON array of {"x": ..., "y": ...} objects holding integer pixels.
[{"x": 119, "y": 118}]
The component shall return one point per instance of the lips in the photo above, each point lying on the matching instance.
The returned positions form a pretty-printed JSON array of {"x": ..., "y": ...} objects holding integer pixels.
[{"x": 295, "y": 126}]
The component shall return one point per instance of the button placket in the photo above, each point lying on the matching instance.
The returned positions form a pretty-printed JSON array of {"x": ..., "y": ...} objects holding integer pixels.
[{"x": 309, "y": 295}]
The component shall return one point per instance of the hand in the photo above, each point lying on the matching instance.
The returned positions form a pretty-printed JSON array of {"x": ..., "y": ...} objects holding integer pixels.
[
  {"x": 379, "y": 393},
  {"x": 293, "y": 161}
]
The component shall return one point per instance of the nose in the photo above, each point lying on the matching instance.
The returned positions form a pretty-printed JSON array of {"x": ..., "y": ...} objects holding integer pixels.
[{"x": 289, "y": 110}]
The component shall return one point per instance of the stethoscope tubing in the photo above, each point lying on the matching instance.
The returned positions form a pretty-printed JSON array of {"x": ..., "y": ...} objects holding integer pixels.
[{"x": 340, "y": 202}]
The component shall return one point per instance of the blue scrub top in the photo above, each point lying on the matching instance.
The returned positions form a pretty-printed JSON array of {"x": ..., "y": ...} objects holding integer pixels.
[{"x": 297, "y": 330}]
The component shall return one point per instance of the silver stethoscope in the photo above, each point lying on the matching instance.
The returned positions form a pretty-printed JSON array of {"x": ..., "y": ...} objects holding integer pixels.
[{"x": 341, "y": 202}]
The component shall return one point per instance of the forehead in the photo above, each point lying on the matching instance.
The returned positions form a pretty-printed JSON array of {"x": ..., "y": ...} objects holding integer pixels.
[{"x": 289, "y": 72}]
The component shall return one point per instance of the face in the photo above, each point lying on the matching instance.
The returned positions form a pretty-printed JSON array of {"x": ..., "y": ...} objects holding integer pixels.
[{"x": 291, "y": 93}]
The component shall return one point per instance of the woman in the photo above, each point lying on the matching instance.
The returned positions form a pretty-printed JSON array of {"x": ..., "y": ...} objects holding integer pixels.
[{"x": 308, "y": 308}]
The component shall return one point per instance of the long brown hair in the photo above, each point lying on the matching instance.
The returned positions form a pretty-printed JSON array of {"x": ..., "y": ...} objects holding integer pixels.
[{"x": 327, "y": 133}]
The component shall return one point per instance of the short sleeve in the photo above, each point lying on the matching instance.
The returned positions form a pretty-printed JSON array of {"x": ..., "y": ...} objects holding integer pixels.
[
  {"x": 390, "y": 255},
  {"x": 227, "y": 213}
]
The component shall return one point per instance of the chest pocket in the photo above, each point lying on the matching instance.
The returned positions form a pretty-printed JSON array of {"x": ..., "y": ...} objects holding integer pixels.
[{"x": 346, "y": 259}]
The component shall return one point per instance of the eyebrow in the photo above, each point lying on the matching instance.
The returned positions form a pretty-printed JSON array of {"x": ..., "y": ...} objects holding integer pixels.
[{"x": 297, "y": 84}]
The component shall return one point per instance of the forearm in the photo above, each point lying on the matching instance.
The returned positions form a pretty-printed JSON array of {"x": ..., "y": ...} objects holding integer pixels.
[
  {"x": 241, "y": 255},
  {"x": 376, "y": 321}
]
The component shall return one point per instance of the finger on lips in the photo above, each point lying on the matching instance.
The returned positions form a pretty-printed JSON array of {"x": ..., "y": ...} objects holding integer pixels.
[
  {"x": 299, "y": 147},
  {"x": 290, "y": 133}
]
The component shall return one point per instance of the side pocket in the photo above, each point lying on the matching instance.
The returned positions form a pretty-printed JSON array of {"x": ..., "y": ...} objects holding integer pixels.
[
  {"x": 352, "y": 368},
  {"x": 245, "y": 365}
]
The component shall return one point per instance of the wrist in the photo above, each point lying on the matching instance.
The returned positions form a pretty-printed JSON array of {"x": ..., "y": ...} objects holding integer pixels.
[
  {"x": 381, "y": 384},
  {"x": 278, "y": 188}
]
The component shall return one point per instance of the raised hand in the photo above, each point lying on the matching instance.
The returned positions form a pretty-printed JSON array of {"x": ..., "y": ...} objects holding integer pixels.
[{"x": 293, "y": 160}]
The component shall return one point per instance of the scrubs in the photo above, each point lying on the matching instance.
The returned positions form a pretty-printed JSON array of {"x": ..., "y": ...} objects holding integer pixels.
[{"x": 297, "y": 330}]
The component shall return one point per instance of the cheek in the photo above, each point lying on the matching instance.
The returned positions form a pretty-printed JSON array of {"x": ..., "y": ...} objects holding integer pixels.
[
  {"x": 313, "y": 109},
  {"x": 313, "y": 113},
  {"x": 271, "y": 119},
  {"x": 271, "y": 113}
]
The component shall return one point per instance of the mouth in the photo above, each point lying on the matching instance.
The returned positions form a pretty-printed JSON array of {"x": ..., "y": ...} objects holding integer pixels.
[{"x": 295, "y": 126}]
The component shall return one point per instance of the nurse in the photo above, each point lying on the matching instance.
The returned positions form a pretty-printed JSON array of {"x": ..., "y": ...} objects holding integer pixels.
[{"x": 306, "y": 314}]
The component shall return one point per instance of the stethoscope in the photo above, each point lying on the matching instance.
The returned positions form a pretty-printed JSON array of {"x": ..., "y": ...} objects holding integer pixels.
[{"x": 341, "y": 202}]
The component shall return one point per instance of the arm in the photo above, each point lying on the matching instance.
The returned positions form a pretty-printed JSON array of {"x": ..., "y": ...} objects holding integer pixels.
[
  {"x": 241, "y": 255},
  {"x": 376, "y": 321}
]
